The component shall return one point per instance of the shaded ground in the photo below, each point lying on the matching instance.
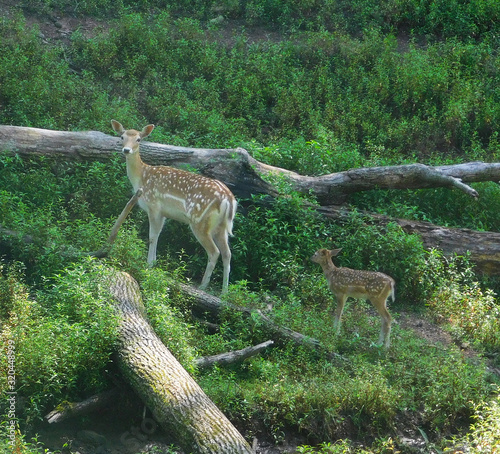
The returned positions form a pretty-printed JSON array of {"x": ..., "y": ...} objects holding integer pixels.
[{"x": 127, "y": 427}]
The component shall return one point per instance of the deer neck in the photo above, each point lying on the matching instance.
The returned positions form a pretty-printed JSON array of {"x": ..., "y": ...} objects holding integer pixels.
[
  {"x": 328, "y": 267},
  {"x": 135, "y": 168}
]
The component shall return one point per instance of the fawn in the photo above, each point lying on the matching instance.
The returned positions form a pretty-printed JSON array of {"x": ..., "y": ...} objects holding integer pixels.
[{"x": 369, "y": 285}]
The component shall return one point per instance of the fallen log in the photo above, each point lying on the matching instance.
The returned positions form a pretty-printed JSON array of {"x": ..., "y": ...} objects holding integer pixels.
[
  {"x": 176, "y": 401},
  {"x": 241, "y": 172},
  {"x": 244, "y": 175},
  {"x": 71, "y": 409},
  {"x": 234, "y": 356},
  {"x": 203, "y": 302},
  {"x": 483, "y": 248},
  {"x": 66, "y": 410}
]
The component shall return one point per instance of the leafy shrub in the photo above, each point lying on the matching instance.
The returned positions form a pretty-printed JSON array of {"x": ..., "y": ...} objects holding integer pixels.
[
  {"x": 363, "y": 92},
  {"x": 485, "y": 432},
  {"x": 63, "y": 340},
  {"x": 166, "y": 316},
  {"x": 472, "y": 313},
  {"x": 358, "y": 83}
]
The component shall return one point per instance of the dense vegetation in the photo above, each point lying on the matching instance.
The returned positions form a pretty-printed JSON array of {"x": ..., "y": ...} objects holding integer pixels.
[{"x": 314, "y": 86}]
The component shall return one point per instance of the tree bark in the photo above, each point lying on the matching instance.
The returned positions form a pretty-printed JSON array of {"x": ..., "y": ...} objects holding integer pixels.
[
  {"x": 242, "y": 173},
  {"x": 71, "y": 409},
  {"x": 175, "y": 399},
  {"x": 232, "y": 357},
  {"x": 483, "y": 247},
  {"x": 203, "y": 302}
]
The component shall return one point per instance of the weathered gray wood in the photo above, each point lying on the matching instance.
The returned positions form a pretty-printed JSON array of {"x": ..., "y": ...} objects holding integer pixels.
[
  {"x": 243, "y": 175},
  {"x": 235, "y": 356},
  {"x": 483, "y": 248},
  {"x": 177, "y": 402},
  {"x": 241, "y": 172},
  {"x": 235, "y": 167},
  {"x": 205, "y": 303}
]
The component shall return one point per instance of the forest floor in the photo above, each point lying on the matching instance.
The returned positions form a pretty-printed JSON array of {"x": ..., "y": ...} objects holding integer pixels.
[{"x": 123, "y": 428}]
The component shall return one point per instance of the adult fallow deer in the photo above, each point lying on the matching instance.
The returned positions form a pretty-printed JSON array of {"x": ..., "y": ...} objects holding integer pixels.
[
  {"x": 206, "y": 205},
  {"x": 369, "y": 285}
]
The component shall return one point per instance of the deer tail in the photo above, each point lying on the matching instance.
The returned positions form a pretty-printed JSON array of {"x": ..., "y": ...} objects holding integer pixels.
[{"x": 228, "y": 207}]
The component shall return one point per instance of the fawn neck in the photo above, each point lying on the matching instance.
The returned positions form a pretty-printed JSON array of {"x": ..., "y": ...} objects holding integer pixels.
[
  {"x": 135, "y": 169},
  {"x": 328, "y": 266}
]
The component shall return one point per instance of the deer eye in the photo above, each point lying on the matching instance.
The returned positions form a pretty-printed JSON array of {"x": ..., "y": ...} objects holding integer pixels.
[{"x": 138, "y": 139}]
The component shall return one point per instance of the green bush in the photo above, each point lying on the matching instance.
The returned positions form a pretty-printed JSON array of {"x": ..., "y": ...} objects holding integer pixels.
[
  {"x": 361, "y": 93},
  {"x": 472, "y": 313},
  {"x": 63, "y": 339},
  {"x": 347, "y": 84},
  {"x": 485, "y": 432}
]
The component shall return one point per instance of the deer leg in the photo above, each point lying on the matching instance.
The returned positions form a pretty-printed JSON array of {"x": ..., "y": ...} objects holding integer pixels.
[
  {"x": 385, "y": 318},
  {"x": 155, "y": 228},
  {"x": 341, "y": 299},
  {"x": 212, "y": 251},
  {"x": 221, "y": 241}
]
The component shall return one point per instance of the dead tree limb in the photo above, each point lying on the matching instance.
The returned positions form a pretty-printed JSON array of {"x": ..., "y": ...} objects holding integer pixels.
[
  {"x": 234, "y": 356},
  {"x": 483, "y": 248},
  {"x": 240, "y": 171},
  {"x": 204, "y": 302},
  {"x": 68, "y": 410},
  {"x": 244, "y": 175},
  {"x": 71, "y": 409}
]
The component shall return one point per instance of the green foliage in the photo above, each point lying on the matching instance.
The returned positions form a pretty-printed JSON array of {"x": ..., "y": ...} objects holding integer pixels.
[
  {"x": 63, "y": 339},
  {"x": 485, "y": 432},
  {"x": 166, "y": 317},
  {"x": 433, "y": 19},
  {"x": 472, "y": 313},
  {"x": 347, "y": 447},
  {"x": 347, "y": 84},
  {"x": 362, "y": 93},
  {"x": 293, "y": 387},
  {"x": 441, "y": 206},
  {"x": 60, "y": 211},
  {"x": 275, "y": 242}
]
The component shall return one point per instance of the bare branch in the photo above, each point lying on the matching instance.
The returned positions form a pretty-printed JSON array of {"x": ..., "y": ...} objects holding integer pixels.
[{"x": 234, "y": 356}]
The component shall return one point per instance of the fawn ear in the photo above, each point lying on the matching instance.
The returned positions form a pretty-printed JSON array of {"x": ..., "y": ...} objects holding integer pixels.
[
  {"x": 146, "y": 131},
  {"x": 334, "y": 252},
  {"x": 117, "y": 127}
]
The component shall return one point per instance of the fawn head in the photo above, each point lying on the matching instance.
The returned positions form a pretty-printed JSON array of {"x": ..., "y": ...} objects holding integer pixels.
[
  {"x": 131, "y": 138},
  {"x": 322, "y": 256}
]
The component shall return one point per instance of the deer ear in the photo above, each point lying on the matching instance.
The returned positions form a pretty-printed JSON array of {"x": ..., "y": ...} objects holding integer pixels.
[
  {"x": 335, "y": 252},
  {"x": 147, "y": 130},
  {"x": 117, "y": 127}
]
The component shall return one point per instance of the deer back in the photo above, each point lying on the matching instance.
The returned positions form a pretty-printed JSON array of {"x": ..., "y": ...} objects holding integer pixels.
[
  {"x": 182, "y": 195},
  {"x": 359, "y": 283}
]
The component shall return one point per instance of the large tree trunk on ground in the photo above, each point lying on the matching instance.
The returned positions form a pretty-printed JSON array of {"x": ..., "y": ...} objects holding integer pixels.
[
  {"x": 483, "y": 247},
  {"x": 243, "y": 175},
  {"x": 174, "y": 398},
  {"x": 202, "y": 302}
]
